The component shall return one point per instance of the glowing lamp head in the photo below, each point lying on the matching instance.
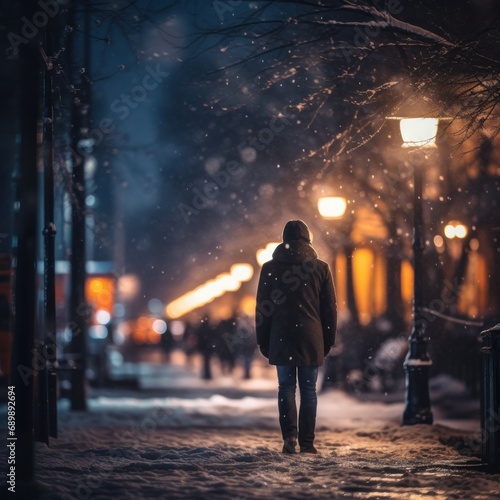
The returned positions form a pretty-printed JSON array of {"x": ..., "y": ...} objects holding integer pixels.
[
  {"x": 419, "y": 132},
  {"x": 455, "y": 229},
  {"x": 241, "y": 272},
  {"x": 332, "y": 207},
  {"x": 227, "y": 283},
  {"x": 266, "y": 254}
]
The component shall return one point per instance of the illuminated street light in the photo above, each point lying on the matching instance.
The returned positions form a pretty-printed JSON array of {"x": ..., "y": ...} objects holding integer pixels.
[
  {"x": 266, "y": 254},
  {"x": 227, "y": 282},
  {"x": 418, "y": 133},
  {"x": 332, "y": 207},
  {"x": 128, "y": 287},
  {"x": 210, "y": 290},
  {"x": 242, "y": 272},
  {"x": 455, "y": 229}
]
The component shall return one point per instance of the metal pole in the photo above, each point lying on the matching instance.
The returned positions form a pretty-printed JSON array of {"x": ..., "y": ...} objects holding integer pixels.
[
  {"x": 417, "y": 364},
  {"x": 78, "y": 304},
  {"x": 490, "y": 400},
  {"x": 49, "y": 234}
]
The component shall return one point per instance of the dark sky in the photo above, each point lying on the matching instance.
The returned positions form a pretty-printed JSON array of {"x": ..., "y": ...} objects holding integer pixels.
[
  {"x": 176, "y": 123},
  {"x": 172, "y": 143}
]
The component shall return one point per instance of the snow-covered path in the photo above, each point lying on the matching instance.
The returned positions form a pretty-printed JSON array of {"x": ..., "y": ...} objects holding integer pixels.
[
  {"x": 195, "y": 442},
  {"x": 157, "y": 453}
]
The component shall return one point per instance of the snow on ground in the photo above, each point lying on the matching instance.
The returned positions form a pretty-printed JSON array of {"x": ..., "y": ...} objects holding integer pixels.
[{"x": 185, "y": 446}]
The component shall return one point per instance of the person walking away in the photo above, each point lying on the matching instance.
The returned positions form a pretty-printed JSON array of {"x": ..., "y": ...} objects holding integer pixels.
[
  {"x": 245, "y": 342},
  {"x": 206, "y": 346},
  {"x": 225, "y": 352},
  {"x": 296, "y": 324},
  {"x": 189, "y": 343}
]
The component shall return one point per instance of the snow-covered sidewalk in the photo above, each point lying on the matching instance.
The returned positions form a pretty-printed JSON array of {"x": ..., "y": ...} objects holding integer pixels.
[{"x": 184, "y": 446}]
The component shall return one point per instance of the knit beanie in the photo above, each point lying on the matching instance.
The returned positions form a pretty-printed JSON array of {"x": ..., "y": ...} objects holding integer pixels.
[{"x": 296, "y": 230}]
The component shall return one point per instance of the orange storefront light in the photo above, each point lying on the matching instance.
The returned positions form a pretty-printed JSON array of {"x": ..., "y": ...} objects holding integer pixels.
[{"x": 99, "y": 292}]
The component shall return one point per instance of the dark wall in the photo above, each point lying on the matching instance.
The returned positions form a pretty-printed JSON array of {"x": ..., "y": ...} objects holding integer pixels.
[{"x": 8, "y": 120}]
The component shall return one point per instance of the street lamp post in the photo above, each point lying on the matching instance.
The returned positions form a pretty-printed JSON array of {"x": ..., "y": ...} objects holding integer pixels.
[{"x": 418, "y": 133}]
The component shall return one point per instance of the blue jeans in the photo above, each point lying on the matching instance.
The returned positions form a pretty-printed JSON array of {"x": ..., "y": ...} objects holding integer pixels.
[{"x": 287, "y": 380}]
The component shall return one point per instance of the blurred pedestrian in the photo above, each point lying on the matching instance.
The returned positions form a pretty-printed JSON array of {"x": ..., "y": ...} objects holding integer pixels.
[
  {"x": 189, "y": 343},
  {"x": 225, "y": 351},
  {"x": 167, "y": 343},
  {"x": 296, "y": 323},
  {"x": 245, "y": 342},
  {"x": 206, "y": 346}
]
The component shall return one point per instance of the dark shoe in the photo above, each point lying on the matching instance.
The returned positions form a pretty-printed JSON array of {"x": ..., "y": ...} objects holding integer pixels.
[
  {"x": 308, "y": 449},
  {"x": 289, "y": 446}
]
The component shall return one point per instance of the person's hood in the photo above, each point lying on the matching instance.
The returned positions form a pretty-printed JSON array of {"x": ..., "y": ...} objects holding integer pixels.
[
  {"x": 296, "y": 230},
  {"x": 294, "y": 251}
]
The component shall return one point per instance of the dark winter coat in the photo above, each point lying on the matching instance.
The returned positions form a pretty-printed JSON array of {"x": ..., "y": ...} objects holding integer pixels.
[{"x": 296, "y": 311}]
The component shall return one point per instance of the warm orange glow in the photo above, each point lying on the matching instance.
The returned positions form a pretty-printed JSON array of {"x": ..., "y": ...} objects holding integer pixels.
[
  {"x": 341, "y": 281},
  {"x": 438, "y": 241},
  {"x": 143, "y": 322},
  {"x": 266, "y": 254},
  {"x": 379, "y": 285},
  {"x": 242, "y": 272},
  {"x": 153, "y": 337},
  {"x": 367, "y": 226},
  {"x": 332, "y": 207},
  {"x": 363, "y": 262},
  {"x": 369, "y": 283},
  {"x": 455, "y": 229},
  {"x": 248, "y": 305},
  {"x": 204, "y": 294},
  {"x": 99, "y": 292},
  {"x": 222, "y": 313},
  {"x": 407, "y": 281},
  {"x": 128, "y": 286},
  {"x": 139, "y": 335},
  {"x": 144, "y": 331},
  {"x": 473, "y": 294},
  {"x": 227, "y": 283}
]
